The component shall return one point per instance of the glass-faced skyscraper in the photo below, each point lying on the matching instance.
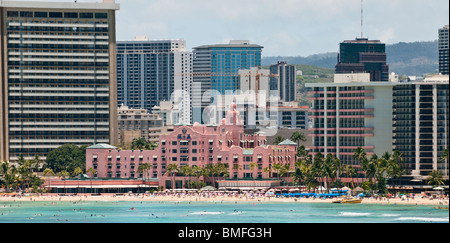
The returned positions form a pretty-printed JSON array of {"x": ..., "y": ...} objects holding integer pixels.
[
  {"x": 363, "y": 56},
  {"x": 57, "y": 76},
  {"x": 216, "y": 67}
]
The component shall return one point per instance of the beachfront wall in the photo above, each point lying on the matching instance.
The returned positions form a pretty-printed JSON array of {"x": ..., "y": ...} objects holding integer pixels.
[{"x": 196, "y": 146}]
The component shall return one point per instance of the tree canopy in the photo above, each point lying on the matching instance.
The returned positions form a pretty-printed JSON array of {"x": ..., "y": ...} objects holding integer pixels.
[{"x": 67, "y": 157}]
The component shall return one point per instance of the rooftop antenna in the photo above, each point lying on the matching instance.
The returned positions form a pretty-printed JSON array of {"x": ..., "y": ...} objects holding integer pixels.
[{"x": 362, "y": 17}]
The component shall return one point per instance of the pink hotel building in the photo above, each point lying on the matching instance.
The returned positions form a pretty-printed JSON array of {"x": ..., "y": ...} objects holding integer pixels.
[{"x": 199, "y": 145}]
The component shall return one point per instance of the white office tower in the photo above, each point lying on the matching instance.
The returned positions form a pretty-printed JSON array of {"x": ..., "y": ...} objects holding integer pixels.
[{"x": 151, "y": 71}]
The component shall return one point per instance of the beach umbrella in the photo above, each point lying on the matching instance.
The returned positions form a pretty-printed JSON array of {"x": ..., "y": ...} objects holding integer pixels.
[
  {"x": 345, "y": 188},
  {"x": 359, "y": 189}
]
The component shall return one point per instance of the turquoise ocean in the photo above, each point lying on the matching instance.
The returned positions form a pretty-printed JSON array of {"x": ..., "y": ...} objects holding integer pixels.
[{"x": 215, "y": 212}]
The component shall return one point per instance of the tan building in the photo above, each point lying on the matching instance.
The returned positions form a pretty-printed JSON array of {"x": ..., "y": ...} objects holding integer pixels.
[
  {"x": 57, "y": 76},
  {"x": 137, "y": 123}
]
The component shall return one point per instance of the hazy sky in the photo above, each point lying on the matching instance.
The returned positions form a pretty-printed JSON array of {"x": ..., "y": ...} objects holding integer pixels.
[{"x": 283, "y": 27}]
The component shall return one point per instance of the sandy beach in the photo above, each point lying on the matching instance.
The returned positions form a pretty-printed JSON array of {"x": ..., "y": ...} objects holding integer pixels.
[{"x": 214, "y": 198}]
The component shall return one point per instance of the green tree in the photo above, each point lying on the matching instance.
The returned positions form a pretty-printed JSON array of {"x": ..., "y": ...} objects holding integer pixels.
[
  {"x": 172, "y": 169},
  {"x": 67, "y": 157},
  {"x": 49, "y": 172},
  {"x": 93, "y": 172},
  {"x": 77, "y": 171},
  {"x": 435, "y": 178},
  {"x": 7, "y": 172},
  {"x": 253, "y": 165},
  {"x": 142, "y": 144},
  {"x": 143, "y": 169},
  {"x": 351, "y": 173},
  {"x": 361, "y": 156},
  {"x": 278, "y": 140},
  {"x": 297, "y": 137},
  {"x": 64, "y": 174}
]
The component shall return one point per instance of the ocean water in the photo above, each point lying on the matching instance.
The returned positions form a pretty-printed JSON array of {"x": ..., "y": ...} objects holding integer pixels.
[{"x": 215, "y": 212}]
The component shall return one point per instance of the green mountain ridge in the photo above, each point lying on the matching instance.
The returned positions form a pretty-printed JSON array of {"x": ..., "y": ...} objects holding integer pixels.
[{"x": 411, "y": 59}]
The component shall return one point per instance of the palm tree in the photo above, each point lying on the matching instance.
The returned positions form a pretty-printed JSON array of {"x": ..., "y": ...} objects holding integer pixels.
[
  {"x": 143, "y": 169},
  {"x": 49, "y": 172},
  {"x": 267, "y": 170},
  {"x": 197, "y": 172},
  {"x": 253, "y": 165},
  {"x": 77, "y": 171},
  {"x": 7, "y": 171},
  {"x": 278, "y": 140},
  {"x": 277, "y": 167},
  {"x": 172, "y": 169},
  {"x": 64, "y": 174},
  {"x": 435, "y": 178},
  {"x": 361, "y": 156},
  {"x": 236, "y": 167},
  {"x": 92, "y": 171},
  {"x": 35, "y": 162},
  {"x": 297, "y": 137},
  {"x": 394, "y": 169},
  {"x": 187, "y": 171},
  {"x": 351, "y": 172},
  {"x": 139, "y": 144},
  {"x": 328, "y": 169}
]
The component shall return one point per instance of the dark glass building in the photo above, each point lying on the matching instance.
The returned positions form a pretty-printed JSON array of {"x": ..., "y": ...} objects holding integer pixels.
[{"x": 363, "y": 56}]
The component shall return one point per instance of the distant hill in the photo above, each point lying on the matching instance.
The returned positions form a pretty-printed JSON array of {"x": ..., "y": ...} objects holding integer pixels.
[{"x": 412, "y": 59}]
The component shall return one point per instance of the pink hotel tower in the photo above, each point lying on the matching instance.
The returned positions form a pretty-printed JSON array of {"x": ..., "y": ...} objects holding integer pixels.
[{"x": 199, "y": 145}]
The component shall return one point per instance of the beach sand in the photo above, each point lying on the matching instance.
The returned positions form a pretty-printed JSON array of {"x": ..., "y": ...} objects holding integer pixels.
[{"x": 217, "y": 198}]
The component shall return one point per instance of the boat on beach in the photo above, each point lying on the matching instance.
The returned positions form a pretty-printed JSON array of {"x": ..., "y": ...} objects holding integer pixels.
[{"x": 347, "y": 200}]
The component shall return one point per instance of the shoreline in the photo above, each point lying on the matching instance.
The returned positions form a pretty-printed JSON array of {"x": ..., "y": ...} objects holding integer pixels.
[{"x": 215, "y": 198}]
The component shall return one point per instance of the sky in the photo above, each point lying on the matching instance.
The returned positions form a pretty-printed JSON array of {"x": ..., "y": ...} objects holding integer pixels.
[{"x": 283, "y": 27}]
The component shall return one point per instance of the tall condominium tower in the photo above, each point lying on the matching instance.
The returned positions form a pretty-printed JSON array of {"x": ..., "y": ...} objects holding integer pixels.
[
  {"x": 363, "y": 56},
  {"x": 410, "y": 117},
  {"x": 57, "y": 76},
  {"x": 347, "y": 115},
  {"x": 216, "y": 69},
  {"x": 151, "y": 71},
  {"x": 443, "y": 51},
  {"x": 283, "y": 79},
  {"x": 421, "y": 125}
]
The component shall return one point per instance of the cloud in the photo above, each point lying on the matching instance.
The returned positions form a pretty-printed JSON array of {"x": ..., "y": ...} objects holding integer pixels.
[{"x": 283, "y": 27}]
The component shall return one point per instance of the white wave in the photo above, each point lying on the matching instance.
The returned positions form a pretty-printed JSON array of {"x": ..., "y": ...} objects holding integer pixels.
[
  {"x": 390, "y": 215},
  {"x": 424, "y": 219},
  {"x": 206, "y": 213},
  {"x": 354, "y": 214}
]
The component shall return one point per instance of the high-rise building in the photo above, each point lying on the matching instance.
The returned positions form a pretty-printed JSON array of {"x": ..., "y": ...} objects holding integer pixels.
[
  {"x": 57, "y": 76},
  {"x": 283, "y": 80},
  {"x": 151, "y": 71},
  {"x": 409, "y": 117},
  {"x": 421, "y": 125},
  {"x": 347, "y": 115},
  {"x": 363, "y": 56},
  {"x": 216, "y": 69},
  {"x": 443, "y": 51}
]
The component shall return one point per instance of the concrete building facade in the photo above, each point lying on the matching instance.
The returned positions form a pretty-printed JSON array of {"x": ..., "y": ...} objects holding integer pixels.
[
  {"x": 151, "y": 71},
  {"x": 443, "y": 51},
  {"x": 57, "y": 76}
]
